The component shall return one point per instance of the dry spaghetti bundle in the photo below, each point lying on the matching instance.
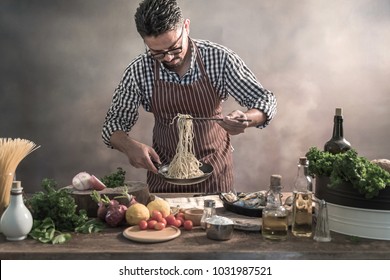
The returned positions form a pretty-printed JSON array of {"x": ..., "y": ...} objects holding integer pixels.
[
  {"x": 184, "y": 165},
  {"x": 12, "y": 152}
]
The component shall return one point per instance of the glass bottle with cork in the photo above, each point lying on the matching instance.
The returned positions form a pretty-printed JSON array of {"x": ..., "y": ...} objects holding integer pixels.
[
  {"x": 337, "y": 144},
  {"x": 302, "y": 208},
  {"x": 274, "y": 215}
]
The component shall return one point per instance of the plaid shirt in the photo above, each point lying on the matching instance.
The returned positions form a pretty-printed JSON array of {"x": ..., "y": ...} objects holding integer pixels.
[{"x": 228, "y": 74}]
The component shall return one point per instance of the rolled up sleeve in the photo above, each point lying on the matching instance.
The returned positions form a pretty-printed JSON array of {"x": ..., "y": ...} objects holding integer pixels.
[
  {"x": 123, "y": 112},
  {"x": 242, "y": 85}
]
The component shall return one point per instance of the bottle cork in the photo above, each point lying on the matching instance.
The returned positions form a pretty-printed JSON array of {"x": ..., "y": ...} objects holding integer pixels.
[
  {"x": 16, "y": 185},
  {"x": 339, "y": 111},
  {"x": 303, "y": 160},
  {"x": 276, "y": 180}
]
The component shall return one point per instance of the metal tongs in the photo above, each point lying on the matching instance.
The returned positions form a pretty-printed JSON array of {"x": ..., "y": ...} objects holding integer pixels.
[{"x": 216, "y": 119}]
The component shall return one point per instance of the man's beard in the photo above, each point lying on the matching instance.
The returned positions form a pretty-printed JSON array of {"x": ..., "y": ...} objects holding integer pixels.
[{"x": 178, "y": 63}]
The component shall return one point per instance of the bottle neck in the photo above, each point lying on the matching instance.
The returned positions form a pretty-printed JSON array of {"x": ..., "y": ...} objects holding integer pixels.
[
  {"x": 274, "y": 198},
  {"x": 302, "y": 181},
  {"x": 338, "y": 127},
  {"x": 16, "y": 199},
  {"x": 301, "y": 171}
]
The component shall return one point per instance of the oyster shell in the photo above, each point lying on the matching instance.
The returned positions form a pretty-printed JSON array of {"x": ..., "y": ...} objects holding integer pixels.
[{"x": 247, "y": 200}]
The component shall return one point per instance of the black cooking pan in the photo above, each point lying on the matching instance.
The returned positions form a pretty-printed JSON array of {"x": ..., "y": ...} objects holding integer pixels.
[{"x": 206, "y": 168}]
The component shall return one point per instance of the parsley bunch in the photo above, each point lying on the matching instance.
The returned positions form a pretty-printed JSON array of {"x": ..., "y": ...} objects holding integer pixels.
[
  {"x": 116, "y": 179},
  {"x": 365, "y": 176},
  {"x": 54, "y": 211}
]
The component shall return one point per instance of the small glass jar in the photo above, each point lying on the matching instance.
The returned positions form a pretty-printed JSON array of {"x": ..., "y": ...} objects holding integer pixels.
[
  {"x": 274, "y": 215},
  {"x": 208, "y": 212}
]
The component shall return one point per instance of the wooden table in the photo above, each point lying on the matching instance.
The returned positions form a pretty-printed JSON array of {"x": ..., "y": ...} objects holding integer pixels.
[
  {"x": 111, "y": 244},
  {"x": 194, "y": 244}
]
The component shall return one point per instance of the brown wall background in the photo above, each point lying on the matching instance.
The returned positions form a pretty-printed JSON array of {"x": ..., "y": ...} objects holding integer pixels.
[{"x": 61, "y": 61}]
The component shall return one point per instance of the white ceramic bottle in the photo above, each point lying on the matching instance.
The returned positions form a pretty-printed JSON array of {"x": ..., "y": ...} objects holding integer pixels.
[{"x": 16, "y": 221}]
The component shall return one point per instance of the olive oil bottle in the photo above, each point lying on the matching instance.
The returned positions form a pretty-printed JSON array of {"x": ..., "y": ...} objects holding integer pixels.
[
  {"x": 274, "y": 215},
  {"x": 337, "y": 144},
  {"x": 302, "y": 210}
]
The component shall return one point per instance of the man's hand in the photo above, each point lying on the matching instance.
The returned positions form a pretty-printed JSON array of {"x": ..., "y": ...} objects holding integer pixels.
[
  {"x": 233, "y": 126},
  {"x": 140, "y": 155}
]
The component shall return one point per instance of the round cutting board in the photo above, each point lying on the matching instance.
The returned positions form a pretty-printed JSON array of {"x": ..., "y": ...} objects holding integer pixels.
[{"x": 150, "y": 235}]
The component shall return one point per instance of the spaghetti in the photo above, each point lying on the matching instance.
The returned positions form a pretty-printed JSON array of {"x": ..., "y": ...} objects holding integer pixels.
[
  {"x": 184, "y": 165},
  {"x": 12, "y": 152}
]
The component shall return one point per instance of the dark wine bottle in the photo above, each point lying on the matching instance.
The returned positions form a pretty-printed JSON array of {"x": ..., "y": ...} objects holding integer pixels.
[{"x": 337, "y": 144}]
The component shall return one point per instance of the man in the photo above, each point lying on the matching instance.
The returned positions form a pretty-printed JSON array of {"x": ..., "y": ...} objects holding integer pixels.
[{"x": 178, "y": 74}]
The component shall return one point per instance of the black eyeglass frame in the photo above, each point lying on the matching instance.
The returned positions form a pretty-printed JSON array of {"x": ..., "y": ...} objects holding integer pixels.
[{"x": 161, "y": 55}]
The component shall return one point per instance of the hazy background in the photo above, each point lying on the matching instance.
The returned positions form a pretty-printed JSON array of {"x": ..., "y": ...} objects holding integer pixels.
[{"x": 60, "y": 62}]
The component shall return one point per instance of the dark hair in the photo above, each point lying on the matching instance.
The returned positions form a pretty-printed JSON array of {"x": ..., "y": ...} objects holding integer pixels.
[{"x": 155, "y": 17}]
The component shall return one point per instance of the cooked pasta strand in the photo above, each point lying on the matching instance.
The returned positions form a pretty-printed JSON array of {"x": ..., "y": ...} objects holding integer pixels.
[{"x": 184, "y": 165}]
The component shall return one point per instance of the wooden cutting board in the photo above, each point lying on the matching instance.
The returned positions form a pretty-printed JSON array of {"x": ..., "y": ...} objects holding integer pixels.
[
  {"x": 84, "y": 200},
  {"x": 150, "y": 235}
]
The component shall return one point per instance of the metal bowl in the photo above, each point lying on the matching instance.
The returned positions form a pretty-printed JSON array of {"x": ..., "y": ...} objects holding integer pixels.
[
  {"x": 219, "y": 228},
  {"x": 206, "y": 168}
]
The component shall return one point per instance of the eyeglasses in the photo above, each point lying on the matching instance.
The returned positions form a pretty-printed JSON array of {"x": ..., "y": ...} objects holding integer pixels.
[{"x": 161, "y": 55}]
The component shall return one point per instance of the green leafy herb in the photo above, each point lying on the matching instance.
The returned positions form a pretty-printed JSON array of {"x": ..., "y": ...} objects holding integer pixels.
[
  {"x": 365, "y": 176},
  {"x": 116, "y": 179},
  {"x": 58, "y": 205},
  {"x": 45, "y": 232},
  {"x": 54, "y": 212},
  {"x": 90, "y": 226}
]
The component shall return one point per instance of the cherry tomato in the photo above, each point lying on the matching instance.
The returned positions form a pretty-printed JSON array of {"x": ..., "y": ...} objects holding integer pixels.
[
  {"x": 162, "y": 220},
  {"x": 171, "y": 220},
  {"x": 178, "y": 223},
  {"x": 181, "y": 219},
  {"x": 188, "y": 225},
  {"x": 143, "y": 225},
  {"x": 156, "y": 215},
  {"x": 180, "y": 215},
  {"x": 159, "y": 226},
  {"x": 151, "y": 224}
]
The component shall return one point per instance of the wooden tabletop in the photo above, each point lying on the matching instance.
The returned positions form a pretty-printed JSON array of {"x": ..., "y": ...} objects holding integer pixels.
[
  {"x": 194, "y": 244},
  {"x": 111, "y": 244}
]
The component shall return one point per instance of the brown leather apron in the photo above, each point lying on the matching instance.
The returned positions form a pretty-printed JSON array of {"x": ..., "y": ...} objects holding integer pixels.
[{"x": 211, "y": 142}]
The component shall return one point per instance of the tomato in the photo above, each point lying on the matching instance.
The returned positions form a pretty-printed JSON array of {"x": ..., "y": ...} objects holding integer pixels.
[
  {"x": 162, "y": 220},
  {"x": 156, "y": 215},
  {"x": 151, "y": 224},
  {"x": 171, "y": 220},
  {"x": 159, "y": 226},
  {"x": 178, "y": 223},
  {"x": 143, "y": 225},
  {"x": 188, "y": 225},
  {"x": 180, "y": 215},
  {"x": 181, "y": 219}
]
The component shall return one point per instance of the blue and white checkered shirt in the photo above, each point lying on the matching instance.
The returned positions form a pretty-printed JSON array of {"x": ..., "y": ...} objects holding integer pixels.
[{"x": 227, "y": 72}]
